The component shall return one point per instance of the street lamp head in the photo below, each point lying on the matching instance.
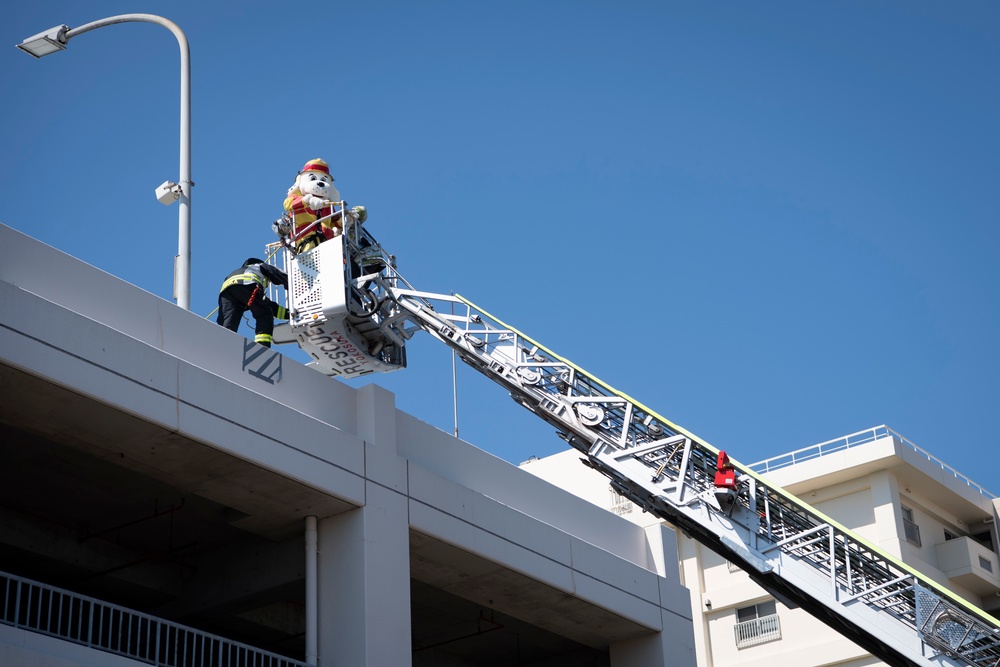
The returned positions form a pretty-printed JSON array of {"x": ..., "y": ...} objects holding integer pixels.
[{"x": 44, "y": 43}]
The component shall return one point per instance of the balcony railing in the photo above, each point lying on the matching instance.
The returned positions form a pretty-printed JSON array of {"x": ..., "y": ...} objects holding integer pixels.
[
  {"x": 82, "y": 620},
  {"x": 757, "y": 631},
  {"x": 854, "y": 440}
]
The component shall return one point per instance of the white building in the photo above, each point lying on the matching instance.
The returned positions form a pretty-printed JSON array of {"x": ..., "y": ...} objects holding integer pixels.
[
  {"x": 876, "y": 483},
  {"x": 172, "y": 494}
]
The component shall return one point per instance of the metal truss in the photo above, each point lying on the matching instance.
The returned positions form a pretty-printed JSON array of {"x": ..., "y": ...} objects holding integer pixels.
[{"x": 792, "y": 550}]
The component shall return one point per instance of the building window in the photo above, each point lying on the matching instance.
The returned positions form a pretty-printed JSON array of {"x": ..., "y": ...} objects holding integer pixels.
[
  {"x": 911, "y": 529},
  {"x": 620, "y": 505},
  {"x": 986, "y": 564},
  {"x": 757, "y": 624},
  {"x": 949, "y": 536}
]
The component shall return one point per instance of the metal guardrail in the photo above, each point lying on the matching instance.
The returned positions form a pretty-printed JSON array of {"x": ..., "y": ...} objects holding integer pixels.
[
  {"x": 83, "y": 620},
  {"x": 757, "y": 631},
  {"x": 854, "y": 440}
]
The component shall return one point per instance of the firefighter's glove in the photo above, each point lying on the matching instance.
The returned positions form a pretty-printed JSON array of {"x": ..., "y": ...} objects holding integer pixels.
[{"x": 360, "y": 212}]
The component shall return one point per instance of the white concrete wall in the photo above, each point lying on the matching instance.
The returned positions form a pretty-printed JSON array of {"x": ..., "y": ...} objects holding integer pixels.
[{"x": 451, "y": 458}]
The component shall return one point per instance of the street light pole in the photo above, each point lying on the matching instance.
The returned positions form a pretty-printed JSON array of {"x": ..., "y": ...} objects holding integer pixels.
[{"x": 55, "y": 39}]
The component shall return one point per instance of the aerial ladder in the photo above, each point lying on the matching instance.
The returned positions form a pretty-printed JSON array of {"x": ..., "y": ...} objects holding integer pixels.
[{"x": 353, "y": 312}]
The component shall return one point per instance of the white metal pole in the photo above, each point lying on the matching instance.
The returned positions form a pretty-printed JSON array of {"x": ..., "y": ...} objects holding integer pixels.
[
  {"x": 454, "y": 377},
  {"x": 312, "y": 587},
  {"x": 182, "y": 263}
]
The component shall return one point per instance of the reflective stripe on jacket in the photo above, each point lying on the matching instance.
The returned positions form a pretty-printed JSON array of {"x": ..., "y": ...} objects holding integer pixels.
[{"x": 248, "y": 275}]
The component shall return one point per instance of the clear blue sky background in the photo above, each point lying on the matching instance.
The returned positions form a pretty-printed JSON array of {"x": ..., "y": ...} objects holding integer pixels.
[{"x": 773, "y": 222}]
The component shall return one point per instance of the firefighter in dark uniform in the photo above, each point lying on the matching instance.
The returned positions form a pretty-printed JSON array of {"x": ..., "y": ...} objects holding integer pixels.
[{"x": 245, "y": 289}]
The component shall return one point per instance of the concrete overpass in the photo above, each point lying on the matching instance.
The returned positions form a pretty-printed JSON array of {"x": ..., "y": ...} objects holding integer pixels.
[{"x": 158, "y": 461}]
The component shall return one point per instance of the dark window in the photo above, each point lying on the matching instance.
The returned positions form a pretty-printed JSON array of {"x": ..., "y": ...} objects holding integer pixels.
[
  {"x": 758, "y": 610},
  {"x": 911, "y": 529}
]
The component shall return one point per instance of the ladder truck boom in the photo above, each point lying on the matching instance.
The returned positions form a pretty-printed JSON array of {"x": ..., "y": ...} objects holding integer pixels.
[{"x": 799, "y": 555}]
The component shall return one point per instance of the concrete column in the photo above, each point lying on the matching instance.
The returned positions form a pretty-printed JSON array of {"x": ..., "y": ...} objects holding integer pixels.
[
  {"x": 674, "y": 644},
  {"x": 364, "y": 555},
  {"x": 671, "y": 647},
  {"x": 376, "y": 420},
  {"x": 364, "y": 584}
]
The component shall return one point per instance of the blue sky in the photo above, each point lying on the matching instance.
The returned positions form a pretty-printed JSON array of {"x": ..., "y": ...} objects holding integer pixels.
[{"x": 774, "y": 223}]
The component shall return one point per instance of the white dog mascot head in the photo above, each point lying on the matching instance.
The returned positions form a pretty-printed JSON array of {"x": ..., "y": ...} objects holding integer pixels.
[{"x": 315, "y": 185}]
